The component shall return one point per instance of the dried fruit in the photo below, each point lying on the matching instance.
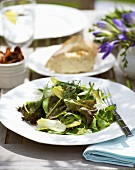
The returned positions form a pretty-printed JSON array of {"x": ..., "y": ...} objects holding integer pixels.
[{"x": 11, "y": 57}]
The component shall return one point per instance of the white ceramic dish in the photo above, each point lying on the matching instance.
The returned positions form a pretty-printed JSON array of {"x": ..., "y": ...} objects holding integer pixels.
[
  {"x": 12, "y": 119},
  {"x": 12, "y": 80},
  {"x": 38, "y": 59},
  {"x": 57, "y": 21},
  {"x": 12, "y": 75},
  {"x": 13, "y": 67}
]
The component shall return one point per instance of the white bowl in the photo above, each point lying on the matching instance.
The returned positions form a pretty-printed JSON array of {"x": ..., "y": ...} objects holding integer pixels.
[
  {"x": 13, "y": 67},
  {"x": 12, "y": 75}
]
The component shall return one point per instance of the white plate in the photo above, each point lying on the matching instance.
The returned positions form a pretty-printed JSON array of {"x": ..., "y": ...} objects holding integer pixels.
[
  {"x": 11, "y": 118},
  {"x": 57, "y": 21},
  {"x": 38, "y": 60}
]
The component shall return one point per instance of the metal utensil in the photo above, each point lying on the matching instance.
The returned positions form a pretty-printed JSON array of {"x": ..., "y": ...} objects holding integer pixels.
[{"x": 122, "y": 124}]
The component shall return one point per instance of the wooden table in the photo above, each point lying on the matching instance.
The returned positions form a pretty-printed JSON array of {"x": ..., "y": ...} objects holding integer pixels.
[{"x": 19, "y": 153}]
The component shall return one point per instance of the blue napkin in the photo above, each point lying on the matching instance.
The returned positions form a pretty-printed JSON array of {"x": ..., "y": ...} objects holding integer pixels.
[{"x": 120, "y": 151}]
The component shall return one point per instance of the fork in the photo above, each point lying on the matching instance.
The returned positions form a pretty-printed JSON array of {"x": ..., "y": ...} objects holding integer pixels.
[{"x": 120, "y": 121}]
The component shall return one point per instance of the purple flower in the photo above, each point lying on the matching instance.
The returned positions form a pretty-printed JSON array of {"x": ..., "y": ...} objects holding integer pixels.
[
  {"x": 105, "y": 25},
  {"x": 130, "y": 17},
  {"x": 107, "y": 48},
  {"x": 122, "y": 37},
  {"x": 133, "y": 44},
  {"x": 102, "y": 24},
  {"x": 96, "y": 33},
  {"x": 119, "y": 24},
  {"x": 101, "y": 33}
]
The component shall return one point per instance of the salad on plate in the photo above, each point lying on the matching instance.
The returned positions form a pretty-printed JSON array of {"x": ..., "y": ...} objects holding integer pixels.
[{"x": 68, "y": 108}]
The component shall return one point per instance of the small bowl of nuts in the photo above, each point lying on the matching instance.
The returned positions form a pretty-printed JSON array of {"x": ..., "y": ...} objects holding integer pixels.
[{"x": 12, "y": 68}]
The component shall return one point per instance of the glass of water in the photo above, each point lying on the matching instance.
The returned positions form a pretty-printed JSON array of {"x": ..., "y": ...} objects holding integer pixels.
[{"x": 18, "y": 22}]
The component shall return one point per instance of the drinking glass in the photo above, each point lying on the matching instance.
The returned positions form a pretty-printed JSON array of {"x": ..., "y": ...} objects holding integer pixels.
[{"x": 18, "y": 22}]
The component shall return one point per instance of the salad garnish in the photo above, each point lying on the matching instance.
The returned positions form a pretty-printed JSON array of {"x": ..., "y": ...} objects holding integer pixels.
[{"x": 68, "y": 108}]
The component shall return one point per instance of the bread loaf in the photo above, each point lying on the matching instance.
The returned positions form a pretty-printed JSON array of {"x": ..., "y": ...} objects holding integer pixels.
[{"x": 75, "y": 56}]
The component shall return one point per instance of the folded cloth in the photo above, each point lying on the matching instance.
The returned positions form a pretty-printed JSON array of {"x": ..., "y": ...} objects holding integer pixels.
[{"x": 120, "y": 151}]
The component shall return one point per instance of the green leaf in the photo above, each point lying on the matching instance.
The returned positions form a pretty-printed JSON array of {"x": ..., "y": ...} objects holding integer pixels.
[
  {"x": 58, "y": 91},
  {"x": 93, "y": 125},
  {"x": 45, "y": 105},
  {"x": 73, "y": 124},
  {"x": 102, "y": 124}
]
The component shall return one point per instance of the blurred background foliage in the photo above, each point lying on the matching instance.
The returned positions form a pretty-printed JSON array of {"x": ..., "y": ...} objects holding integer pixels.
[
  {"x": 106, "y": 4},
  {"x": 97, "y": 4},
  {"x": 115, "y": 1},
  {"x": 70, "y": 4}
]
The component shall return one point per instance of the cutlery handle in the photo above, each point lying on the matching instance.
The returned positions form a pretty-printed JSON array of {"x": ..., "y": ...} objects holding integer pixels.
[{"x": 123, "y": 125}]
